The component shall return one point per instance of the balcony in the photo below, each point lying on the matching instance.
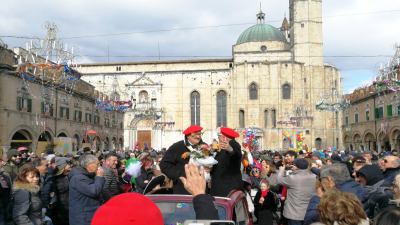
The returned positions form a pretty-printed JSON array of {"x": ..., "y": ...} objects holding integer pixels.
[{"x": 146, "y": 109}]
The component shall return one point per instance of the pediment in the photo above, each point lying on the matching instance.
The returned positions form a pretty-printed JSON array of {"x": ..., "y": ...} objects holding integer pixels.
[{"x": 143, "y": 80}]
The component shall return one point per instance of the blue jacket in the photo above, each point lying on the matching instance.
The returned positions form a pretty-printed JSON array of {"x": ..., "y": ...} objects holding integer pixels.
[
  {"x": 84, "y": 196},
  {"x": 355, "y": 188},
  {"x": 312, "y": 215},
  {"x": 348, "y": 186}
]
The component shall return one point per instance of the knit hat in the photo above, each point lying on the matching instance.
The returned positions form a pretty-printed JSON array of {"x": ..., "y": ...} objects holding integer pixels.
[
  {"x": 128, "y": 209},
  {"x": 12, "y": 152},
  {"x": 300, "y": 163}
]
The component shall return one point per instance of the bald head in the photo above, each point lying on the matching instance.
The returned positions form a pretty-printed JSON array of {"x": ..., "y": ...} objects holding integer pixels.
[{"x": 390, "y": 162}]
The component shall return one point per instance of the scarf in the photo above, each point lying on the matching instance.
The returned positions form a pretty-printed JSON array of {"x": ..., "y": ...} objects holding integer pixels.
[{"x": 264, "y": 193}]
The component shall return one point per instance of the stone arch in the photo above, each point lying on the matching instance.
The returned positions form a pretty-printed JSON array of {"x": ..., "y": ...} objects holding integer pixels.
[
  {"x": 21, "y": 138},
  {"x": 45, "y": 136},
  {"x": 357, "y": 141},
  {"x": 383, "y": 141},
  {"x": 114, "y": 143},
  {"x": 121, "y": 142},
  {"x": 76, "y": 142},
  {"x": 369, "y": 141},
  {"x": 347, "y": 141},
  {"x": 395, "y": 137},
  {"x": 63, "y": 133}
]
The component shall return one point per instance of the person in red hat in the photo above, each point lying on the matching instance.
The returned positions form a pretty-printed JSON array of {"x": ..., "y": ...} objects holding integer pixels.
[
  {"x": 173, "y": 162},
  {"x": 226, "y": 175}
]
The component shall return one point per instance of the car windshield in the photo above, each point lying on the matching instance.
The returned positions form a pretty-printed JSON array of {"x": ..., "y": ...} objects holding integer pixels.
[{"x": 178, "y": 212}]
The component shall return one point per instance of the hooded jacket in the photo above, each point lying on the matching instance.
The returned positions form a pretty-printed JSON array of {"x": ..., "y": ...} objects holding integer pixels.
[
  {"x": 27, "y": 205},
  {"x": 372, "y": 174},
  {"x": 84, "y": 195}
]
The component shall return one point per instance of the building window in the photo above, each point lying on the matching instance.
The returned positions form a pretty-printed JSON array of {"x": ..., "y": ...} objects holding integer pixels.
[
  {"x": 88, "y": 117},
  {"x": 143, "y": 97},
  {"x": 273, "y": 118},
  {"x": 106, "y": 122},
  {"x": 241, "y": 119},
  {"x": 195, "y": 108},
  {"x": 367, "y": 115},
  {"x": 265, "y": 118},
  {"x": 96, "y": 119},
  {"x": 24, "y": 104},
  {"x": 64, "y": 112},
  {"x": 253, "y": 91},
  {"x": 78, "y": 116},
  {"x": 379, "y": 113},
  {"x": 46, "y": 109},
  {"x": 398, "y": 110},
  {"x": 286, "y": 89},
  {"x": 221, "y": 108},
  {"x": 337, "y": 119},
  {"x": 346, "y": 119},
  {"x": 389, "y": 110},
  {"x": 356, "y": 118}
]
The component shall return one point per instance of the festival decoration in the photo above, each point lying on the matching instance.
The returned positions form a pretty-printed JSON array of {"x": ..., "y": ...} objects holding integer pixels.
[
  {"x": 202, "y": 156},
  {"x": 113, "y": 105},
  {"x": 132, "y": 168},
  {"x": 299, "y": 141},
  {"x": 324, "y": 105},
  {"x": 249, "y": 139}
]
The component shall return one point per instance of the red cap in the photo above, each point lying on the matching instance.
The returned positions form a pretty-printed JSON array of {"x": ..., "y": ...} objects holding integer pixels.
[
  {"x": 128, "y": 209},
  {"x": 192, "y": 129},
  {"x": 228, "y": 132}
]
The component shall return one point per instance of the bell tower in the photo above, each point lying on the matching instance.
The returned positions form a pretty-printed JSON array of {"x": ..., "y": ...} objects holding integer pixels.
[{"x": 306, "y": 31}]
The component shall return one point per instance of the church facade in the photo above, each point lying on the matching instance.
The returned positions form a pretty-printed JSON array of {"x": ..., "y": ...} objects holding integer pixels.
[{"x": 270, "y": 85}]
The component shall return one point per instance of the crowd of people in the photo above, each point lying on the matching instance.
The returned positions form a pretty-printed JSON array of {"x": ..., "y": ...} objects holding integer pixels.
[{"x": 292, "y": 187}]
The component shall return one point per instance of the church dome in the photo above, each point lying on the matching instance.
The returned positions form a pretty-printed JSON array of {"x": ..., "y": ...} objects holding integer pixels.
[{"x": 261, "y": 32}]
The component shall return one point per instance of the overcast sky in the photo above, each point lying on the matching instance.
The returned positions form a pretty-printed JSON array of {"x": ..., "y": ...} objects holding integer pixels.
[{"x": 364, "y": 29}]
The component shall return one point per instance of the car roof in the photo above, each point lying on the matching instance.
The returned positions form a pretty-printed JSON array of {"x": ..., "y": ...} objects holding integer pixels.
[{"x": 233, "y": 197}]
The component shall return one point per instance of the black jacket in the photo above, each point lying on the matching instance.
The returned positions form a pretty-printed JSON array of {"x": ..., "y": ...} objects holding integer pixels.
[
  {"x": 226, "y": 175},
  {"x": 173, "y": 165},
  {"x": 144, "y": 175},
  {"x": 62, "y": 190},
  {"x": 27, "y": 205},
  {"x": 111, "y": 185}
]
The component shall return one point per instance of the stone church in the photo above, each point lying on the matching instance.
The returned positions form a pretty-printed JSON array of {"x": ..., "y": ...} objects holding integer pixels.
[{"x": 271, "y": 85}]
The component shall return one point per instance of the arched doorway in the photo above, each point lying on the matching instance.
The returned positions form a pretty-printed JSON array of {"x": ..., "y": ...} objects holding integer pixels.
[
  {"x": 384, "y": 142},
  {"x": 121, "y": 144},
  {"x": 21, "y": 138},
  {"x": 44, "y": 142},
  {"x": 96, "y": 146},
  {"x": 114, "y": 144},
  {"x": 285, "y": 144},
  {"x": 357, "y": 142},
  {"x": 318, "y": 143},
  {"x": 62, "y": 134},
  {"x": 143, "y": 132},
  {"x": 106, "y": 144},
  {"x": 76, "y": 143},
  {"x": 370, "y": 142},
  {"x": 396, "y": 138},
  {"x": 347, "y": 142}
]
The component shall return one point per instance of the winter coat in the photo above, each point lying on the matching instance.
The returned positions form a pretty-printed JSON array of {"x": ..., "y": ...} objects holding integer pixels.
[
  {"x": 312, "y": 214},
  {"x": 84, "y": 195},
  {"x": 173, "y": 165},
  {"x": 111, "y": 186},
  {"x": 144, "y": 175},
  {"x": 27, "y": 205},
  {"x": 265, "y": 210},
  {"x": 355, "y": 188},
  {"x": 5, "y": 197},
  {"x": 60, "y": 216},
  {"x": 62, "y": 191},
  {"x": 226, "y": 175},
  {"x": 372, "y": 174},
  {"x": 389, "y": 176},
  {"x": 300, "y": 188},
  {"x": 46, "y": 187},
  {"x": 11, "y": 170}
]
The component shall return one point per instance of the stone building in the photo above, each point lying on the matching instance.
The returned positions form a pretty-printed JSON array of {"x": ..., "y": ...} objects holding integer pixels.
[
  {"x": 271, "y": 85},
  {"x": 34, "y": 113},
  {"x": 373, "y": 120}
]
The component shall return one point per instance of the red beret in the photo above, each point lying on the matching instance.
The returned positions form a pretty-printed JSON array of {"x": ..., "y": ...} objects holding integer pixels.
[
  {"x": 228, "y": 132},
  {"x": 192, "y": 129},
  {"x": 128, "y": 209}
]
